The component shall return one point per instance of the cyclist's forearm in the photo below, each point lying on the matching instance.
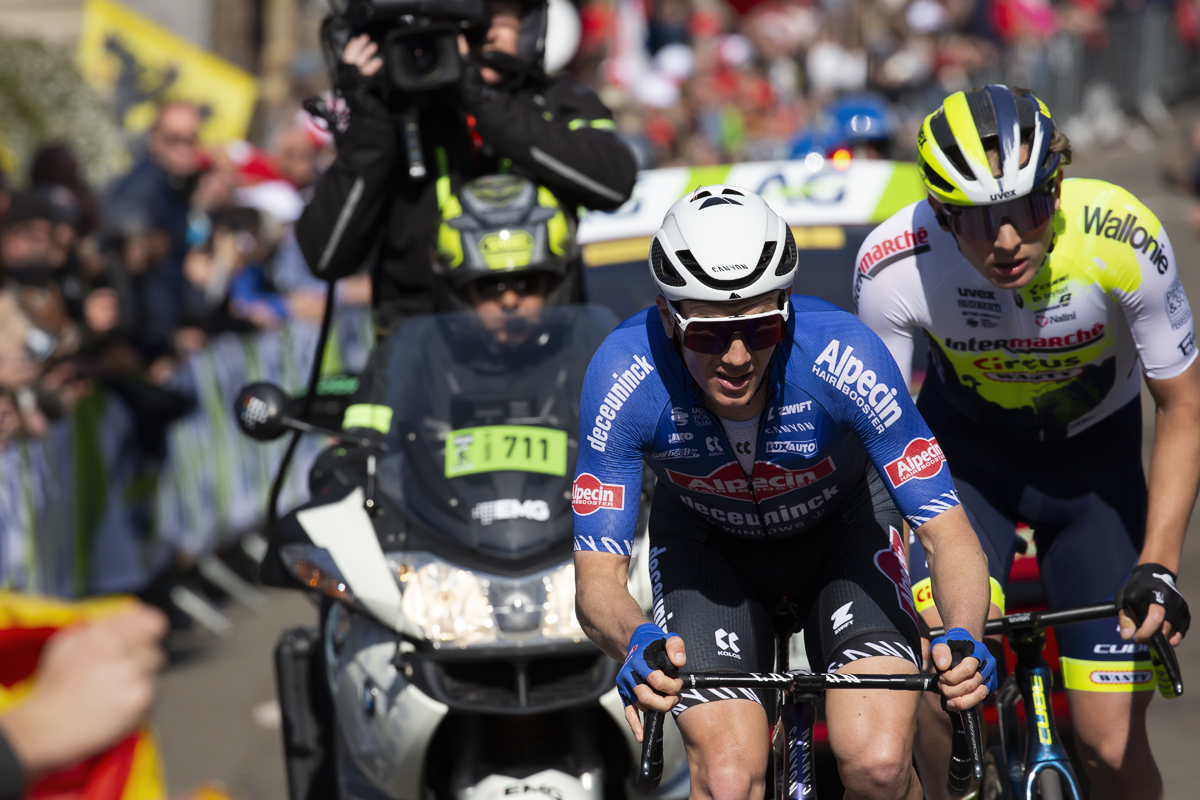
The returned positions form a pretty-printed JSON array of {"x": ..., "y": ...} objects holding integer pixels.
[
  {"x": 1174, "y": 470},
  {"x": 606, "y": 610},
  {"x": 958, "y": 571}
]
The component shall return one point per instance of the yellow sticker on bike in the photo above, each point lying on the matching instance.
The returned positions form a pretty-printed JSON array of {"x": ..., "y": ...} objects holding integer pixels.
[{"x": 506, "y": 448}]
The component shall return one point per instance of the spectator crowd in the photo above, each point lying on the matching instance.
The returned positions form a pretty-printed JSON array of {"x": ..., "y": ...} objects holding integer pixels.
[
  {"x": 114, "y": 286},
  {"x": 698, "y": 82}
]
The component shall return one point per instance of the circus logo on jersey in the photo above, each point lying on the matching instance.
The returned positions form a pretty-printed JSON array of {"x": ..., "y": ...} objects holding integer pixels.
[
  {"x": 768, "y": 480},
  {"x": 922, "y": 459},
  {"x": 589, "y": 495},
  {"x": 890, "y": 561}
]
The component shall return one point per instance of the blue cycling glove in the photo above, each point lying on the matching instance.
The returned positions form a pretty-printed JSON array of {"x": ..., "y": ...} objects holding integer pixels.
[
  {"x": 960, "y": 640},
  {"x": 635, "y": 669}
]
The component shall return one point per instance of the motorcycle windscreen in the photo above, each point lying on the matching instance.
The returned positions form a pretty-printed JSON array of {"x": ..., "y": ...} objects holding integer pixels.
[{"x": 485, "y": 420}]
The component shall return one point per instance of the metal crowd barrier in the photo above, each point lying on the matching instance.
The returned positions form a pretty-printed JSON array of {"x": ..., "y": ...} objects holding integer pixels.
[
  {"x": 1140, "y": 59},
  {"x": 80, "y": 514}
]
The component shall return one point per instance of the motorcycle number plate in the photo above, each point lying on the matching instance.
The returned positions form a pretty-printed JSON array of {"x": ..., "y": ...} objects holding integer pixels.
[{"x": 506, "y": 448}]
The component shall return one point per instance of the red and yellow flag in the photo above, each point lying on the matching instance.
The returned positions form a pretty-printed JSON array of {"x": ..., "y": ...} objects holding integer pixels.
[{"x": 130, "y": 770}]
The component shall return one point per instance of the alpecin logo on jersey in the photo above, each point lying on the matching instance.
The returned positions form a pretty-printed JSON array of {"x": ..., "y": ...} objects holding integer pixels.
[
  {"x": 922, "y": 459},
  {"x": 849, "y": 376},
  {"x": 589, "y": 495},
  {"x": 768, "y": 480}
]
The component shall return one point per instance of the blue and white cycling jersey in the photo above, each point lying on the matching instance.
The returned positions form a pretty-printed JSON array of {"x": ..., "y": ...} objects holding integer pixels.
[{"x": 835, "y": 399}]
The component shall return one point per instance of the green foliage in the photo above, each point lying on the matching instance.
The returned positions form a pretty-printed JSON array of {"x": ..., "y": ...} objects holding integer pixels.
[{"x": 44, "y": 99}]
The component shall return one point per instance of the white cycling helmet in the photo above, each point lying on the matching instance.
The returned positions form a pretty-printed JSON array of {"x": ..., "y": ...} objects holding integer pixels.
[{"x": 722, "y": 243}]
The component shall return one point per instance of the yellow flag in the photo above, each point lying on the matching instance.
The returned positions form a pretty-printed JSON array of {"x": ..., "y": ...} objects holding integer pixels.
[{"x": 141, "y": 65}]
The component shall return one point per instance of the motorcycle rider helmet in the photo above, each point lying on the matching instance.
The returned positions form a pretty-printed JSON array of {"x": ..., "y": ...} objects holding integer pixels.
[
  {"x": 503, "y": 224},
  {"x": 722, "y": 243},
  {"x": 952, "y": 144},
  {"x": 861, "y": 120}
]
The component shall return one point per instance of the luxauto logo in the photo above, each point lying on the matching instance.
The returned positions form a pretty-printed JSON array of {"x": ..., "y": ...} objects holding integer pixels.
[
  {"x": 626, "y": 383},
  {"x": 807, "y": 447},
  {"x": 922, "y": 459},
  {"x": 849, "y": 376},
  {"x": 589, "y": 495}
]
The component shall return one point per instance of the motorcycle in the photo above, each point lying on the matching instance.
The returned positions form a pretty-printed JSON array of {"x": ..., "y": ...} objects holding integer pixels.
[{"x": 448, "y": 663}]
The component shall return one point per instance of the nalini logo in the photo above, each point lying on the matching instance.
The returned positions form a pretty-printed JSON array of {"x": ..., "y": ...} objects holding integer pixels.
[
  {"x": 922, "y": 459},
  {"x": 589, "y": 495}
]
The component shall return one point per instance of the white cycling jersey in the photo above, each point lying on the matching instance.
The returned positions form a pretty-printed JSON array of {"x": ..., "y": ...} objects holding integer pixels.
[{"x": 1050, "y": 359}]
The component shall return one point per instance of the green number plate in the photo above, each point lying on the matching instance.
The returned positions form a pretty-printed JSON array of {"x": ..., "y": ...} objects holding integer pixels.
[{"x": 499, "y": 448}]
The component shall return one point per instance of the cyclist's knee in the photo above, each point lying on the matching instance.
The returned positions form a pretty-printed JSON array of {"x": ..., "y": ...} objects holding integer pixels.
[
  {"x": 883, "y": 770},
  {"x": 728, "y": 779}
]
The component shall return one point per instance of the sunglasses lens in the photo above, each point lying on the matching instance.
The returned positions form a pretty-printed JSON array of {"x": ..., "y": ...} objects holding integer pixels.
[
  {"x": 983, "y": 222},
  {"x": 709, "y": 338},
  {"x": 714, "y": 338},
  {"x": 765, "y": 332}
]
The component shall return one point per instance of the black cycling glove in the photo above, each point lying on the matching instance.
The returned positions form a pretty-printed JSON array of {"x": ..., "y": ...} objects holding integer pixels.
[
  {"x": 473, "y": 90},
  {"x": 360, "y": 92},
  {"x": 1154, "y": 583}
]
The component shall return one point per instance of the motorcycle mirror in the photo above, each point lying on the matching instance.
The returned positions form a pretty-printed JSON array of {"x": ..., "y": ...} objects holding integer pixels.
[{"x": 259, "y": 409}]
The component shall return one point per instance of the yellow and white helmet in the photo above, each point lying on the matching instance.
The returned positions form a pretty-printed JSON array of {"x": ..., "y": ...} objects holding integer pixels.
[{"x": 951, "y": 146}]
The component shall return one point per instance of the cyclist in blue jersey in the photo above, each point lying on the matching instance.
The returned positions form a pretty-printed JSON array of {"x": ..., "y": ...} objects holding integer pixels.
[{"x": 788, "y": 454}]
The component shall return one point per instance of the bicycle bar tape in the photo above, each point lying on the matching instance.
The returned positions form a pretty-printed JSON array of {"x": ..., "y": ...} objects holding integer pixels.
[
  {"x": 651, "y": 767},
  {"x": 1165, "y": 666},
  {"x": 966, "y": 750}
]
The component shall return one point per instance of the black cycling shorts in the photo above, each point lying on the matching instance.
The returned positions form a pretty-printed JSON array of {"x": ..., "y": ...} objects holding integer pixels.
[
  {"x": 845, "y": 581},
  {"x": 1085, "y": 499}
]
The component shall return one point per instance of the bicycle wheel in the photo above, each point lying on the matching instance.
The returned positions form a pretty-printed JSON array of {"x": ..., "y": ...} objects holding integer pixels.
[
  {"x": 1050, "y": 785},
  {"x": 995, "y": 783}
]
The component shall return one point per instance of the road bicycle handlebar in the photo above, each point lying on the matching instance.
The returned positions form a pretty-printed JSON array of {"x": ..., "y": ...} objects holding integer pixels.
[
  {"x": 968, "y": 746},
  {"x": 1162, "y": 655}
]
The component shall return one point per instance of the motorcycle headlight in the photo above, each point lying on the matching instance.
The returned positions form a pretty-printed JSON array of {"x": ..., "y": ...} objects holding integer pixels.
[{"x": 463, "y": 608}]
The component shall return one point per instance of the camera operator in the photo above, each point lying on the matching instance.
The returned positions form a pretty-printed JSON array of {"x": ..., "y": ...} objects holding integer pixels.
[{"x": 503, "y": 115}]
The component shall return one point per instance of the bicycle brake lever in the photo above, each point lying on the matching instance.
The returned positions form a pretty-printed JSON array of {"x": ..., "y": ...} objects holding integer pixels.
[
  {"x": 651, "y": 766},
  {"x": 966, "y": 750},
  {"x": 1162, "y": 660}
]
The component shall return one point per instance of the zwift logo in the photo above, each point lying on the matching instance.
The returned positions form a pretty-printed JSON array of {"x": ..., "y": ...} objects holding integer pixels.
[{"x": 849, "y": 376}]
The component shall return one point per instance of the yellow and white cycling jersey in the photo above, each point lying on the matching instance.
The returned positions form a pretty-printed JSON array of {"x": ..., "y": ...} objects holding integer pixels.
[{"x": 1054, "y": 357}]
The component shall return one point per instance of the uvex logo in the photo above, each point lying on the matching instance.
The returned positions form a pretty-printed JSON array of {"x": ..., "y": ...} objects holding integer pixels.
[
  {"x": 982, "y": 294},
  {"x": 589, "y": 495},
  {"x": 1001, "y": 195},
  {"x": 767, "y": 481},
  {"x": 922, "y": 459}
]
